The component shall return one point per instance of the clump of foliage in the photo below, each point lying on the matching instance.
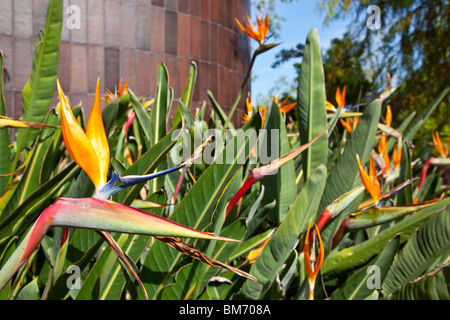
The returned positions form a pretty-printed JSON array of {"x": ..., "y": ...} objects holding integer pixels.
[{"x": 342, "y": 213}]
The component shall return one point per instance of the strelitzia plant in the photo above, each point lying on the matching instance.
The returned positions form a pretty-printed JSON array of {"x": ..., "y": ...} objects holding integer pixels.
[
  {"x": 441, "y": 160},
  {"x": 258, "y": 33},
  {"x": 313, "y": 263},
  {"x": 258, "y": 173},
  {"x": 90, "y": 150},
  {"x": 351, "y": 119},
  {"x": 375, "y": 211}
]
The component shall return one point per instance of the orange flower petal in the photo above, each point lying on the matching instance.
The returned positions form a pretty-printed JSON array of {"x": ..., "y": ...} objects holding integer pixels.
[
  {"x": 76, "y": 141},
  {"x": 321, "y": 255},
  {"x": 287, "y": 108},
  {"x": 397, "y": 156},
  {"x": 263, "y": 112},
  {"x": 343, "y": 97},
  {"x": 387, "y": 163},
  {"x": 338, "y": 96},
  {"x": 95, "y": 132},
  {"x": 347, "y": 124},
  {"x": 308, "y": 267},
  {"x": 388, "y": 116},
  {"x": 370, "y": 181},
  {"x": 258, "y": 32},
  {"x": 382, "y": 143},
  {"x": 439, "y": 146}
]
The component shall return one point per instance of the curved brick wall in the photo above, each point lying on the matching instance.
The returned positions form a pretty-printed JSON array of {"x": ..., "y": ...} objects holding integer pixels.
[{"x": 127, "y": 39}]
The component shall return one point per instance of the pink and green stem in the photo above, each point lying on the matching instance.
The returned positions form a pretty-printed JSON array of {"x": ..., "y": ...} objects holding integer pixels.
[
  {"x": 92, "y": 213},
  {"x": 247, "y": 185},
  {"x": 376, "y": 216}
]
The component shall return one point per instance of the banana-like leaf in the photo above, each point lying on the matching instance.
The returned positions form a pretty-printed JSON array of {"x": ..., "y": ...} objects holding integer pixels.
[
  {"x": 115, "y": 281},
  {"x": 38, "y": 92},
  {"x": 433, "y": 286},
  {"x": 60, "y": 289},
  {"x": 279, "y": 187},
  {"x": 197, "y": 207},
  {"x": 160, "y": 107},
  {"x": 95, "y": 286},
  {"x": 368, "y": 279},
  {"x": 184, "y": 111},
  {"x": 221, "y": 114},
  {"x": 30, "y": 181},
  {"x": 251, "y": 244},
  {"x": 278, "y": 249},
  {"x": 186, "y": 99},
  {"x": 339, "y": 262},
  {"x": 30, "y": 291},
  {"x": 5, "y": 141},
  {"x": 142, "y": 116},
  {"x": 427, "y": 247},
  {"x": 311, "y": 104},
  {"x": 405, "y": 197},
  {"x": 375, "y": 216}
]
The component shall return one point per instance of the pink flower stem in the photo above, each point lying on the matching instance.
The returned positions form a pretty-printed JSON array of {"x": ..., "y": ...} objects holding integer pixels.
[{"x": 250, "y": 181}]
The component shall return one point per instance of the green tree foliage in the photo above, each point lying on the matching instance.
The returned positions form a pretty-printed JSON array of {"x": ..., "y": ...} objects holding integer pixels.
[{"x": 412, "y": 44}]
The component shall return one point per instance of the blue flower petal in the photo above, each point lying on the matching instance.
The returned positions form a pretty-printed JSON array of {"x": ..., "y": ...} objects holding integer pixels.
[{"x": 109, "y": 189}]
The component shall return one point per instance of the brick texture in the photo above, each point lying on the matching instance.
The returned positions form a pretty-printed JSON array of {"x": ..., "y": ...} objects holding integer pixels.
[{"x": 128, "y": 39}]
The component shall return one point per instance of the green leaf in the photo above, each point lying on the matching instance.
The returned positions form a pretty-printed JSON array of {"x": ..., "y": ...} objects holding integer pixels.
[
  {"x": 251, "y": 244},
  {"x": 30, "y": 291},
  {"x": 60, "y": 289},
  {"x": 133, "y": 248},
  {"x": 94, "y": 285},
  {"x": 197, "y": 207},
  {"x": 5, "y": 141},
  {"x": 142, "y": 116},
  {"x": 160, "y": 107},
  {"x": 188, "y": 93},
  {"x": 278, "y": 249},
  {"x": 339, "y": 262},
  {"x": 427, "y": 247},
  {"x": 187, "y": 278},
  {"x": 184, "y": 111},
  {"x": 38, "y": 91},
  {"x": 279, "y": 187},
  {"x": 30, "y": 181},
  {"x": 360, "y": 285},
  {"x": 434, "y": 286},
  {"x": 311, "y": 105},
  {"x": 222, "y": 115},
  {"x": 405, "y": 197}
]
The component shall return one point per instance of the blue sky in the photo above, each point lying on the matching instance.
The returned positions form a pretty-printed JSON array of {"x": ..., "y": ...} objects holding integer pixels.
[{"x": 300, "y": 17}]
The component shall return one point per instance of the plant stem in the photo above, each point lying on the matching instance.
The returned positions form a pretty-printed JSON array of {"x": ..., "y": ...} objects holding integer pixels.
[{"x": 238, "y": 98}]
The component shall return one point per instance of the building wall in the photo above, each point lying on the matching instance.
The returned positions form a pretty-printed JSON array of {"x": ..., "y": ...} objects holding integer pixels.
[{"x": 127, "y": 39}]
